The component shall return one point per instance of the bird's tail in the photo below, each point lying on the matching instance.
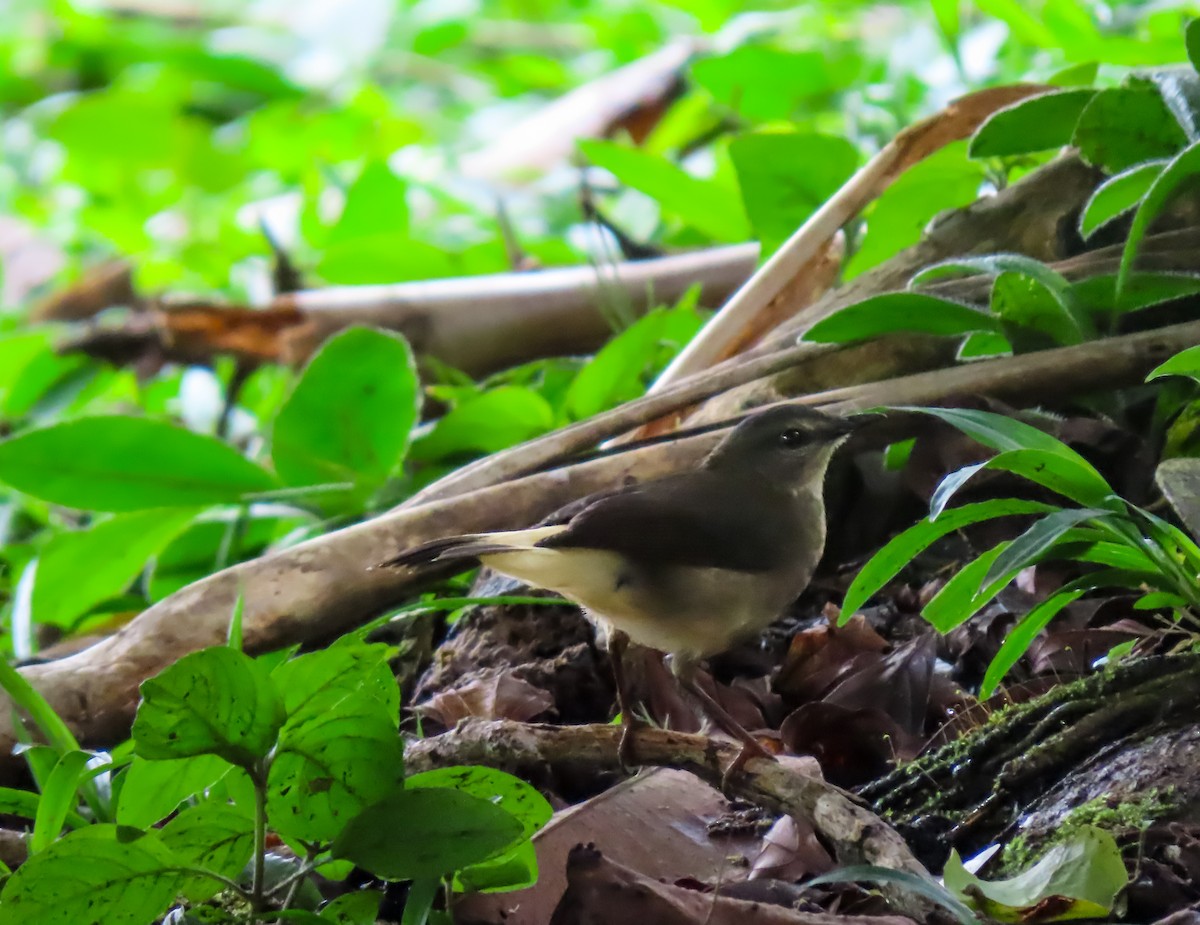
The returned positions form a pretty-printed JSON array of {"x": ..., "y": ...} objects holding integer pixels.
[{"x": 469, "y": 546}]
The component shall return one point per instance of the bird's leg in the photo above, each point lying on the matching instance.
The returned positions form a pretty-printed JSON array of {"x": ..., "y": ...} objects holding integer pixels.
[
  {"x": 685, "y": 671},
  {"x": 618, "y": 642}
]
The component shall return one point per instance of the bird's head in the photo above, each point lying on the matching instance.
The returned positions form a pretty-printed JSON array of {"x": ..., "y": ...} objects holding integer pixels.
[{"x": 787, "y": 445}]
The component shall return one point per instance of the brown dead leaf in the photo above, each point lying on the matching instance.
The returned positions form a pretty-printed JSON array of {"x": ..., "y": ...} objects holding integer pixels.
[
  {"x": 790, "y": 851},
  {"x": 501, "y": 696},
  {"x": 818, "y": 656},
  {"x": 852, "y": 746}
]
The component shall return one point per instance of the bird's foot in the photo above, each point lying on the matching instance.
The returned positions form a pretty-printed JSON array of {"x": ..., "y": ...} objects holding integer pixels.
[{"x": 751, "y": 748}]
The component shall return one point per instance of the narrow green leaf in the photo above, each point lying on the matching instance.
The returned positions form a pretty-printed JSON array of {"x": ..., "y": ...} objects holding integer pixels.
[
  {"x": 964, "y": 594},
  {"x": 100, "y": 873},
  {"x": 1191, "y": 38},
  {"x": 351, "y": 413},
  {"x": 26, "y": 698},
  {"x": 1037, "y": 539},
  {"x": 421, "y": 895},
  {"x": 79, "y": 569},
  {"x": 444, "y": 830},
  {"x": 59, "y": 796},
  {"x": 1141, "y": 290},
  {"x": 214, "y": 836},
  {"x": 900, "y": 311},
  {"x": 233, "y": 638},
  {"x": 25, "y": 804},
  {"x": 1181, "y": 173},
  {"x": 994, "y": 265},
  {"x": 1002, "y": 433},
  {"x": 1184, "y": 363},
  {"x": 898, "y": 552},
  {"x": 1034, "y": 124},
  {"x": 1117, "y": 195},
  {"x": 915, "y": 883},
  {"x": 217, "y": 701},
  {"x": 116, "y": 463},
  {"x": 1061, "y": 474}
]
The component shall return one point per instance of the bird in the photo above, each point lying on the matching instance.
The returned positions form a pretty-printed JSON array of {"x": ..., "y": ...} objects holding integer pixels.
[{"x": 688, "y": 564}]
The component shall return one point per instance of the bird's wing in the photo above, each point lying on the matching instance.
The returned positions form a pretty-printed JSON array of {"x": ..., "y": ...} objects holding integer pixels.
[{"x": 698, "y": 519}]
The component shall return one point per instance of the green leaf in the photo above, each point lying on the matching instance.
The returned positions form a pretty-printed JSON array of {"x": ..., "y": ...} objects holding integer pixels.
[
  {"x": 152, "y": 790},
  {"x": 25, "y": 804},
  {"x": 899, "y": 217},
  {"x": 116, "y": 463},
  {"x": 1034, "y": 124},
  {"x": 1124, "y": 126},
  {"x": 212, "y": 836},
  {"x": 361, "y": 908},
  {"x": 31, "y": 702},
  {"x": 1002, "y": 433},
  {"x": 786, "y": 176},
  {"x": 1037, "y": 539},
  {"x": 900, "y": 311},
  {"x": 384, "y": 259},
  {"x": 339, "y": 749},
  {"x": 914, "y": 883},
  {"x": 617, "y": 372},
  {"x": 705, "y": 205},
  {"x": 900, "y": 550},
  {"x": 1141, "y": 290},
  {"x": 515, "y": 869},
  {"x": 1117, "y": 195},
  {"x": 444, "y": 831},
  {"x": 217, "y": 701},
  {"x": 1180, "y": 174},
  {"x": 377, "y": 203},
  {"x": 1027, "y": 305},
  {"x": 965, "y": 593},
  {"x": 510, "y": 793},
  {"x": 1072, "y": 478},
  {"x": 96, "y": 874},
  {"x": 1191, "y": 38},
  {"x": 79, "y": 569},
  {"x": 1085, "y": 868},
  {"x": 495, "y": 420},
  {"x": 59, "y": 796},
  {"x": 1184, "y": 363},
  {"x": 350, "y": 415},
  {"x": 995, "y": 265},
  {"x": 763, "y": 83}
]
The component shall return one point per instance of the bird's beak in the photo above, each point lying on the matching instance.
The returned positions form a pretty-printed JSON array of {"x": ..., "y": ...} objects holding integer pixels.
[{"x": 845, "y": 426}]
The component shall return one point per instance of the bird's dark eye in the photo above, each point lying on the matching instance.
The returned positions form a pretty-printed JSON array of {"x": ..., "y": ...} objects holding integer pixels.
[{"x": 791, "y": 437}]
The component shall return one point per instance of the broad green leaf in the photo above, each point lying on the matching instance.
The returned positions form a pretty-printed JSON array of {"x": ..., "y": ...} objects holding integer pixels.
[
  {"x": 385, "y": 258},
  {"x": 152, "y": 790},
  {"x": 1034, "y": 124},
  {"x": 1117, "y": 195},
  {"x": 1180, "y": 174},
  {"x": 510, "y": 793},
  {"x": 1085, "y": 869},
  {"x": 1075, "y": 75},
  {"x": 376, "y": 203},
  {"x": 1037, "y": 539},
  {"x": 900, "y": 311},
  {"x": 1123, "y": 126},
  {"x": 443, "y": 831},
  {"x": 1180, "y": 91},
  {"x": 1191, "y": 37},
  {"x": 361, "y": 908},
  {"x": 965, "y": 593},
  {"x": 217, "y": 701},
  {"x": 704, "y": 204},
  {"x": 1184, "y": 363},
  {"x": 339, "y": 749},
  {"x": 1026, "y": 305},
  {"x": 617, "y": 372},
  {"x": 786, "y": 176},
  {"x": 900, "y": 216},
  {"x": 515, "y": 869},
  {"x": 900, "y": 550},
  {"x": 17, "y": 351},
  {"x": 1076, "y": 479},
  {"x": 765, "y": 83},
  {"x": 350, "y": 415},
  {"x": 100, "y": 873},
  {"x": 79, "y": 569},
  {"x": 499, "y": 418},
  {"x": 117, "y": 463},
  {"x": 212, "y": 836}
]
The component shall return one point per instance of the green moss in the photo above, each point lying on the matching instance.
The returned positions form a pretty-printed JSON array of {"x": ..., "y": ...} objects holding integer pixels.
[{"x": 1117, "y": 818}]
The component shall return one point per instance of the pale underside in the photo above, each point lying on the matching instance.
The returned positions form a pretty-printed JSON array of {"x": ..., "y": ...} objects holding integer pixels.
[{"x": 688, "y": 611}]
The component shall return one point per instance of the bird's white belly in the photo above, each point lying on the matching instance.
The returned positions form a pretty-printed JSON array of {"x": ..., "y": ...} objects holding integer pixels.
[{"x": 694, "y": 611}]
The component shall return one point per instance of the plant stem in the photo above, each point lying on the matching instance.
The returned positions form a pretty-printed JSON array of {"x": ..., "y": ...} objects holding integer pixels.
[{"x": 259, "y": 778}]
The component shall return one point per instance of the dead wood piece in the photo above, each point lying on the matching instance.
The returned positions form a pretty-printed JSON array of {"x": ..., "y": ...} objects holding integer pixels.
[
  {"x": 856, "y": 835},
  {"x": 326, "y": 585},
  {"x": 602, "y": 892}
]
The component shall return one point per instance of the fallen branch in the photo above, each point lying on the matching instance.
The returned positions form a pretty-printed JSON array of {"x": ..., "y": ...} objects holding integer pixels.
[
  {"x": 325, "y": 586},
  {"x": 856, "y": 835}
]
